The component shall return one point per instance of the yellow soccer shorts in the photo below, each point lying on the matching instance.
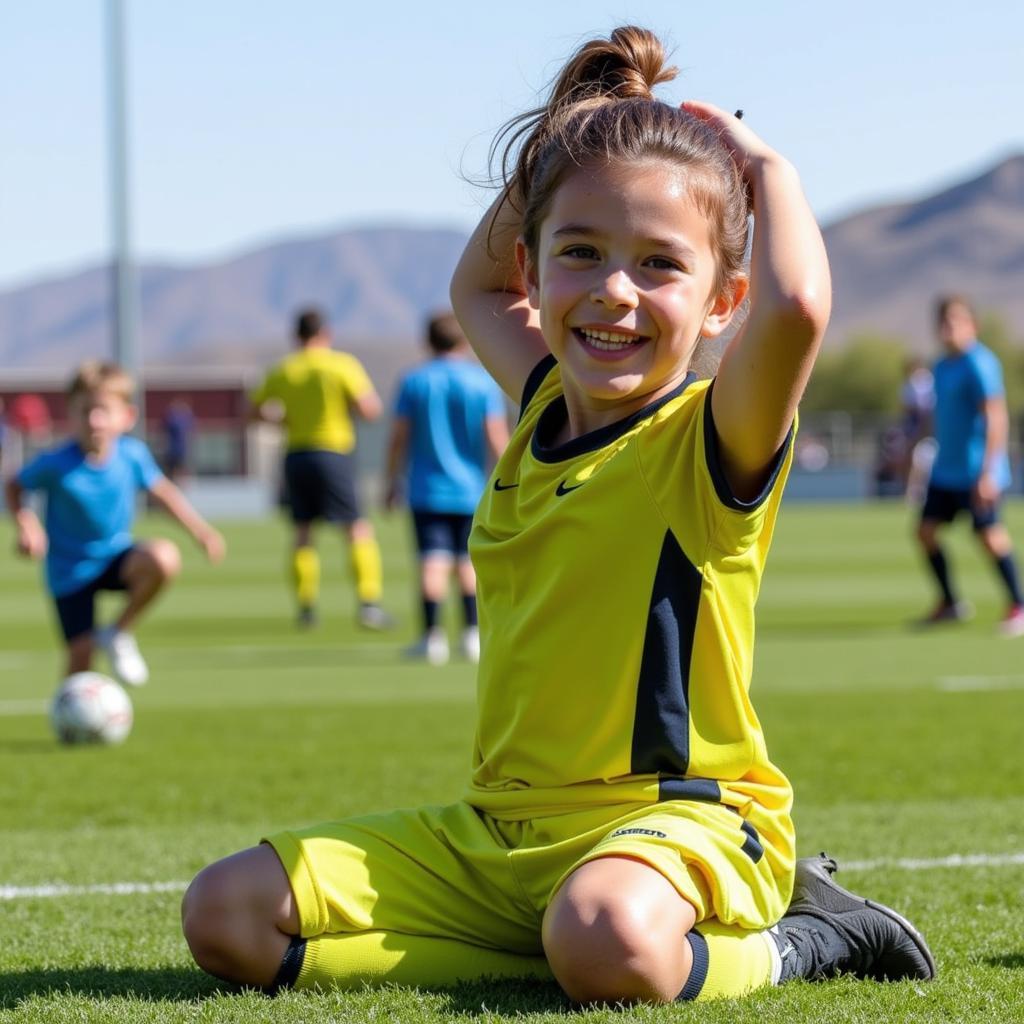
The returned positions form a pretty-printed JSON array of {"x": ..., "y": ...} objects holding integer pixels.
[{"x": 454, "y": 872}]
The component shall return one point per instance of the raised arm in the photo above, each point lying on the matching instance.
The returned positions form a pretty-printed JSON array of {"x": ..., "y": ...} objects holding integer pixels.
[
  {"x": 767, "y": 364},
  {"x": 490, "y": 302}
]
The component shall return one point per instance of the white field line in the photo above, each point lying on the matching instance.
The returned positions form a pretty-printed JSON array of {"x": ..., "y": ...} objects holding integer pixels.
[
  {"x": 968, "y": 860},
  {"x": 956, "y": 860},
  {"x": 35, "y": 892},
  {"x": 23, "y": 707},
  {"x": 18, "y": 658},
  {"x": 963, "y": 684}
]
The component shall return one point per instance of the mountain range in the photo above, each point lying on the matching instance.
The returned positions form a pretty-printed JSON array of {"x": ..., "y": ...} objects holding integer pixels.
[
  {"x": 378, "y": 284},
  {"x": 889, "y": 262}
]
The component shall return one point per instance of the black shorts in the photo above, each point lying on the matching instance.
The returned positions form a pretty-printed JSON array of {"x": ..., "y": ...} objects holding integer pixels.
[
  {"x": 321, "y": 485},
  {"x": 442, "y": 533},
  {"x": 943, "y": 505},
  {"x": 77, "y": 611}
]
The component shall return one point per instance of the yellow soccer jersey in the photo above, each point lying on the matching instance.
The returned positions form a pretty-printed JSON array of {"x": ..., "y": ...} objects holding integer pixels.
[
  {"x": 316, "y": 386},
  {"x": 617, "y": 577}
]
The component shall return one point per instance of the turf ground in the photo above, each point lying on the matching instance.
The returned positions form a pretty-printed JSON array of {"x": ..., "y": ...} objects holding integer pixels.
[{"x": 904, "y": 750}]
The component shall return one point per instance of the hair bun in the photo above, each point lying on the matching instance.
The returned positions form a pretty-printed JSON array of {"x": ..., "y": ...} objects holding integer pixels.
[
  {"x": 643, "y": 61},
  {"x": 628, "y": 65}
]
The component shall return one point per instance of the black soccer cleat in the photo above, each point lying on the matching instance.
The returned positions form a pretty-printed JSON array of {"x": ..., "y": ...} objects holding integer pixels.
[{"x": 830, "y": 931}]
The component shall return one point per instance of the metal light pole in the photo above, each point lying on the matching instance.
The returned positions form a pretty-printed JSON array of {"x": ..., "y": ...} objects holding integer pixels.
[{"x": 123, "y": 291}]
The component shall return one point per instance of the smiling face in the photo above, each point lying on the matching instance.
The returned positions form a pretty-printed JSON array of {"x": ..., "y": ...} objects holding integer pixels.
[
  {"x": 98, "y": 418},
  {"x": 625, "y": 282}
]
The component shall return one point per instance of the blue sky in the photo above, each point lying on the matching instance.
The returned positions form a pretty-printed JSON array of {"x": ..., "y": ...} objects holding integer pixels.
[{"x": 254, "y": 120}]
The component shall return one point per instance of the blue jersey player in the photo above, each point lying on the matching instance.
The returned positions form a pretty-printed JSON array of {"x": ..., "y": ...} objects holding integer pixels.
[
  {"x": 449, "y": 423},
  {"x": 971, "y": 470},
  {"x": 90, "y": 484}
]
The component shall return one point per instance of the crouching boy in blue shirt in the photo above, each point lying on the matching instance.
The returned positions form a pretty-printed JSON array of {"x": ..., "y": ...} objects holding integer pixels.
[{"x": 91, "y": 483}]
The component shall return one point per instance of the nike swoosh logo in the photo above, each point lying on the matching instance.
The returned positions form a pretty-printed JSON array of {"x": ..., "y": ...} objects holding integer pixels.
[
  {"x": 499, "y": 486},
  {"x": 562, "y": 490}
]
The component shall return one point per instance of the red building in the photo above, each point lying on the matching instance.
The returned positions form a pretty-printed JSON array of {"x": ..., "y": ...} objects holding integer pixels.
[{"x": 215, "y": 396}]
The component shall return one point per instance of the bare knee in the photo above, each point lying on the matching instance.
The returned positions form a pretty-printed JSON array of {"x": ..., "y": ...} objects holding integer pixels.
[
  {"x": 360, "y": 529},
  {"x": 237, "y": 916},
  {"x": 995, "y": 540},
  {"x": 166, "y": 558},
  {"x": 157, "y": 561},
  {"x": 618, "y": 936},
  {"x": 209, "y": 914}
]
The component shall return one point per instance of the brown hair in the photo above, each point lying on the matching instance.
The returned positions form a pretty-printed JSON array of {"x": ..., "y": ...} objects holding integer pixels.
[
  {"x": 444, "y": 333},
  {"x": 944, "y": 302},
  {"x": 602, "y": 109},
  {"x": 95, "y": 376}
]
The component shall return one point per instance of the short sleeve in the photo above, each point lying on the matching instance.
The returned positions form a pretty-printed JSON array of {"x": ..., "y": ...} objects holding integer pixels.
[
  {"x": 989, "y": 376},
  {"x": 354, "y": 378},
  {"x": 37, "y": 474},
  {"x": 680, "y": 461},
  {"x": 146, "y": 471}
]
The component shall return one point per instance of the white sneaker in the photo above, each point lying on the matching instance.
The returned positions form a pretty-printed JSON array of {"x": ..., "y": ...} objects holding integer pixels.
[
  {"x": 126, "y": 661},
  {"x": 471, "y": 644},
  {"x": 432, "y": 648}
]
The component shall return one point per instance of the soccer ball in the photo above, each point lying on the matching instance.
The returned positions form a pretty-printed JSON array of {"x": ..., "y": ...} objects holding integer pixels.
[{"x": 90, "y": 708}]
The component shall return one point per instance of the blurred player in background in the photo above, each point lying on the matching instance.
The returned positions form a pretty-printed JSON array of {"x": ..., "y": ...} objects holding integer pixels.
[
  {"x": 449, "y": 423},
  {"x": 319, "y": 390},
  {"x": 971, "y": 468},
  {"x": 90, "y": 484},
  {"x": 178, "y": 425}
]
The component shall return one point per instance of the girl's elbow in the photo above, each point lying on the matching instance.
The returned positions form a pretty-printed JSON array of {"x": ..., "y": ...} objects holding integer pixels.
[{"x": 806, "y": 310}]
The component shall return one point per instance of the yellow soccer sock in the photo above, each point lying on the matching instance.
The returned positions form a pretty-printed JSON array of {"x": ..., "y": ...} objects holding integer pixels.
[
  {"x": 365, "y": 555},
  {"x": 344, "y": 960},
  {"x": 729, "y": 961},
  {"x": 306, "y": 575}
]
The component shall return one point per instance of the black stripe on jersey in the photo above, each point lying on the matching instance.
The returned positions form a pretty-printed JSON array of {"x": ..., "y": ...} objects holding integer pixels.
[
  {"x": 752, "y": 844},
  {"x": 534, "y": 381},
  {"x": 661, "y": 724},
  {"x": 711, "y": 456},
  {"x": 704, "y": 790}
]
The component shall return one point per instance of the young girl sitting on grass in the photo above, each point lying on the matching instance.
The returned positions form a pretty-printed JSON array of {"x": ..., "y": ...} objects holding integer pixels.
[{"x": 624, "y": 828}]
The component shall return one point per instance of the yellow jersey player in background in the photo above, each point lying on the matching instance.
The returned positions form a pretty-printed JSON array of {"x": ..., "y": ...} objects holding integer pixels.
[
  {"x": 624, "y": 828},
  {"x": 319, "y": 391}
]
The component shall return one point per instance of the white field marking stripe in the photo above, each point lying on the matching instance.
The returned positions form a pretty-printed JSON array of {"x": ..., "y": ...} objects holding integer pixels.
[
  {"x": 30, "y": 892},
  {"x": 969, "y": 860},
  {"x": 16, "y": 659},
  {"x": 960, "y": 684},
  {"x": 22, "y": 707},
  {"x": 956, "y": 860}
]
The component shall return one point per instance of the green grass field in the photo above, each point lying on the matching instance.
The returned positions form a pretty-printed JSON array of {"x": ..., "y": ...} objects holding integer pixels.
[{"x": 904, "y": 750}]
